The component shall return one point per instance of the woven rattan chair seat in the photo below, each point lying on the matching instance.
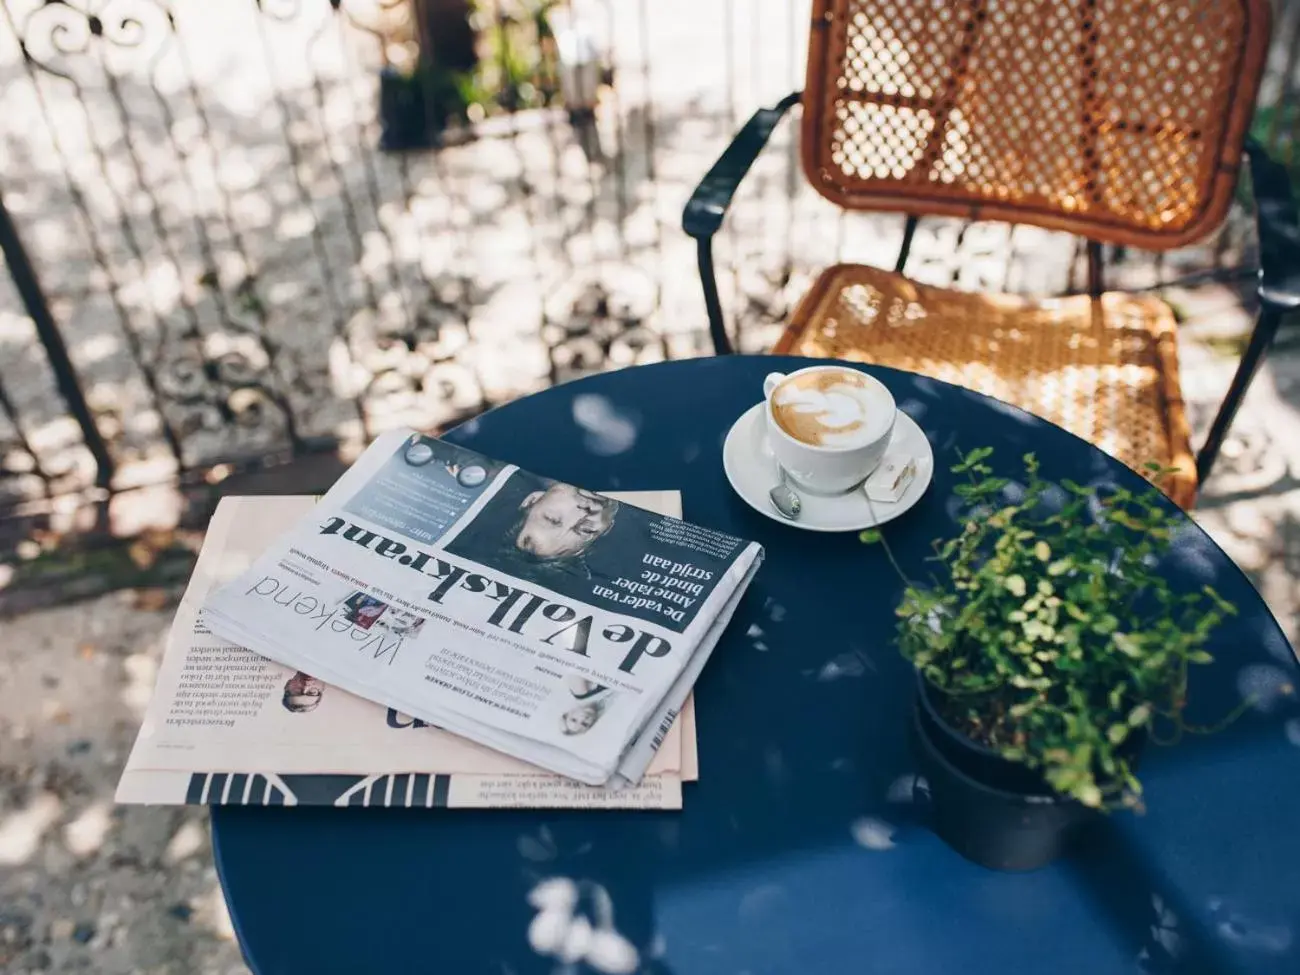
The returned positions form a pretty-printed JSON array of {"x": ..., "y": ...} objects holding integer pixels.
[{"x": 1106, "y": 370}]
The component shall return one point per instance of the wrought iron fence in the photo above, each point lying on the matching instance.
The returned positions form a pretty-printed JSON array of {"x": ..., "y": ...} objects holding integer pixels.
[{"x": 211, "y": 260}]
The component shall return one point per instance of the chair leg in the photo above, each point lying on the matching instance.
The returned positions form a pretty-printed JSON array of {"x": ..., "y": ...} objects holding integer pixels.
[
  {"x": 909, "y": 231},
  {"x": 1270, "y": 317},
  {"x": 1096, "y": 270},
  {"x": 709, "y": 281}
]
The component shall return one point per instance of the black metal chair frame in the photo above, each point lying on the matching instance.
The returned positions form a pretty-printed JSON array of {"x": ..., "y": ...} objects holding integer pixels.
[{"x": 1276, "y": 222}]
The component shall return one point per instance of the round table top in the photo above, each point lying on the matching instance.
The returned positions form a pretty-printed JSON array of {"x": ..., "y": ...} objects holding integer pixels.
[{"x": 802, "y": 848}]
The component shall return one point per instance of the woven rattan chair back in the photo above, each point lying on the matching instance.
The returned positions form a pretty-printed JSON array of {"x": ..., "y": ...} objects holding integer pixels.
[{"x": 1118, "y": 120}]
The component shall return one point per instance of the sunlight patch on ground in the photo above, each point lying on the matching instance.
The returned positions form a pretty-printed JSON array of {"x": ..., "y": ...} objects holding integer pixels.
[
  {"x": 213, "y": 915},
  {"x": 85, "y": 834},
  {"x": 188, "y": 840},
  {"x": 141, "y": 672},
  {"x": 21, "y": 832}
]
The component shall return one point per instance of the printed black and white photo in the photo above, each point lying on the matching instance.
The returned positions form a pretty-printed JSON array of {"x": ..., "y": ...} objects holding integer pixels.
[
  {"x": 587, "y": 547},
  {"x": 421, "y": 451},
  {"x": 582, "y": 688},
  {"x": 423, "y": 487},
  {"x": 399, "y": 622},
  {"x": 302, "y": 693},
  {"x": 540, "y": 531},
  {"x": 590, "y": 702}
]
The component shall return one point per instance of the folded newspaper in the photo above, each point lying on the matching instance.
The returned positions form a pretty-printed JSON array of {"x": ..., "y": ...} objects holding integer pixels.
[
  {"x": 225, "y": 726},
  {"x": 551, "y": 623}
]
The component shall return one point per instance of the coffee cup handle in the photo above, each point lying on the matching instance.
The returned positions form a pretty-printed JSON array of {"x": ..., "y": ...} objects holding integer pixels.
[{"x": 770, "y": 382}]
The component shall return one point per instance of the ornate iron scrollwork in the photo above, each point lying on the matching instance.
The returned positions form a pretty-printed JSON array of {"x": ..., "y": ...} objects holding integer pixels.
[{"x": 53, "y": 35}]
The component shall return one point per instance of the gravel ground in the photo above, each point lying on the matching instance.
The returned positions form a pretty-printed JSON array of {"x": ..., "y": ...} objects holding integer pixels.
[{"x": 86, "y": 886}]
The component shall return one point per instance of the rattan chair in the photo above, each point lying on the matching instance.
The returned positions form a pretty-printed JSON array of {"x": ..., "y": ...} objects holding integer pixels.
[{"x": 1124, "y": 123}]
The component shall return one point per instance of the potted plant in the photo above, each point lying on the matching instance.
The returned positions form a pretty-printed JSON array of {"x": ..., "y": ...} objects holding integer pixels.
[{"x": 1045, "y": 650}]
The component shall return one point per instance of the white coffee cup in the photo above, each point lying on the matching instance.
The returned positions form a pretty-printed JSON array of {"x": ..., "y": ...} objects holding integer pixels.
[{"x": 846, "y": 461}]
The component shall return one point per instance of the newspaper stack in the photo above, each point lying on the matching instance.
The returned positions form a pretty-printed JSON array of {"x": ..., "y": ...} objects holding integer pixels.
[
  {"x": 228, "y": 727},
  {"x": 558, "y": 626}
]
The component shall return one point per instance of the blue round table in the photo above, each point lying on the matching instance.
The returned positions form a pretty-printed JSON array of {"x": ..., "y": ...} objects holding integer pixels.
[{"x": 803, "y": 848}]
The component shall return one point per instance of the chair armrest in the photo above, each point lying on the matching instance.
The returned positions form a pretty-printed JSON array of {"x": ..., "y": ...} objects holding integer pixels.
[
  {"x": 708, "y": 204},
  {"x": 1279, "y": 230}
]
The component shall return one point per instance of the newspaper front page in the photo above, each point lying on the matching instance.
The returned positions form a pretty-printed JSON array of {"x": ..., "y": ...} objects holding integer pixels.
[
  {"x": 549, "y": 622},
  {"x": 226, "y": 725}
]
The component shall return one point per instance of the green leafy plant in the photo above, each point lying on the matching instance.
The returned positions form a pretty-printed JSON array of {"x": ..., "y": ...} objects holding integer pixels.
[
  {"x": 514, "y": 67},
  {"x": 1051, "y": 635}
]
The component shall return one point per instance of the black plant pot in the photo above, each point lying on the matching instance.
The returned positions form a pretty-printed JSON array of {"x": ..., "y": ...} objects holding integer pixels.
[{"x": 995, "y": 812}]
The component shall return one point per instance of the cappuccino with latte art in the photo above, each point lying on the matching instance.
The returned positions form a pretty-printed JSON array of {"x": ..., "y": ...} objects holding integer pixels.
[
  {"x": 829, "y": 408},
  {"x": 828, "y": 426}
]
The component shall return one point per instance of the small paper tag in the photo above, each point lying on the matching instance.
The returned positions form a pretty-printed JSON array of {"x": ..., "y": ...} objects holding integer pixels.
[{"x": 889, "y": 481}]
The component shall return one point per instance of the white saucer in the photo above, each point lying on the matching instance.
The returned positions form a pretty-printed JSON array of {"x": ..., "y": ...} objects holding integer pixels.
[{"x": 751, "y": 469}]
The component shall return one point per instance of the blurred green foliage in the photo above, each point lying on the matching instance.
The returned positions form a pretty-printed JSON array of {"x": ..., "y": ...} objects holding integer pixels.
[{"x": 516, "y": 66}]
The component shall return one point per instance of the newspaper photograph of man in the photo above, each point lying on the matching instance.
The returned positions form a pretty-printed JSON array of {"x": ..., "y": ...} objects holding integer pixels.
[
  {"x": 559, "y": 524},
  {"x": 302, "y": 693},
  {"x": 540, "y": 531}
]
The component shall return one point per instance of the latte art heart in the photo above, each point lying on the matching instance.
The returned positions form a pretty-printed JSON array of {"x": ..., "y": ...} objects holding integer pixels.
[{"x": 829, "y": 408}]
